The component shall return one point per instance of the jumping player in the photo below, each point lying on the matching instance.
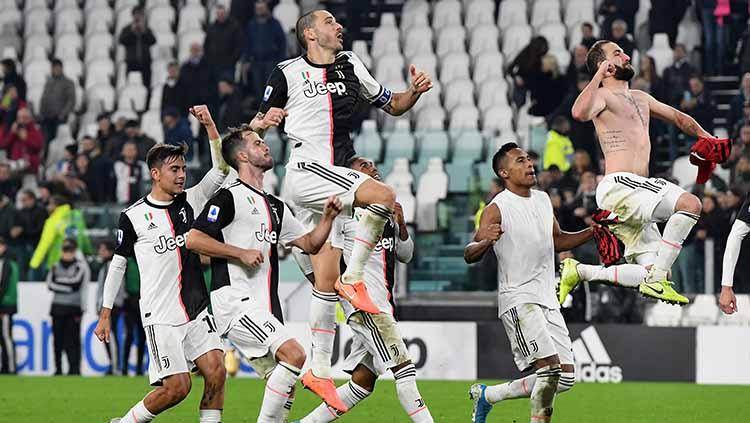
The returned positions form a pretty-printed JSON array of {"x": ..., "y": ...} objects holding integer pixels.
[{"x": 315, "y": 95}]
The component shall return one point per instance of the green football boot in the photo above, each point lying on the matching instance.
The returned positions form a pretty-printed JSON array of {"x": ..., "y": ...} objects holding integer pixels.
[{"x": 569, "y": 278}]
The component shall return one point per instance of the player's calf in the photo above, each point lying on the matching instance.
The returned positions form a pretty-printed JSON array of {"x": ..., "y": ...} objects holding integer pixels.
[
  {"x": 214, "y": 374},
  {"x": 290, "y": 357},
  {"x": 408, "y": 394},
  {"x": 543, "y": 394}
]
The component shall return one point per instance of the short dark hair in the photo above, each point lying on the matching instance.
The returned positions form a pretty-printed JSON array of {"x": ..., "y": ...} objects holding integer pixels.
[
  {"x": 587, "y": 24},
  {"x": 232, "y": 142},
  {"x": 497, "y": 159},
  {"x": 160, "y": 153},
  {"x": 57, "y": 62},
  {"x": 137, "y": 10},
  {"x": 304, "y": 22},
  {"x": 109, "y": 245},
  {"x": 595, "y": 56}
]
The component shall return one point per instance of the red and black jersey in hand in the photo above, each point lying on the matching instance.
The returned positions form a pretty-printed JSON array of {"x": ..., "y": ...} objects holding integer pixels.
[{"x": 610, "y": 248}]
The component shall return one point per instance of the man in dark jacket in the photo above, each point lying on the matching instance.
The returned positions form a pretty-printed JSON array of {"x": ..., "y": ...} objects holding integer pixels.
[
  {"x": 27, "y": 230},
  {"x": 676, "y": 76},
  {"x": 12, "y": 77},
  {"x": 177, "y": 131},
  {"x": 103, "y": 188},
  {"x": 198, "y": 79},
  {"x": 699, "y": 104},
  {"x": 134, "y": 134},
  {"x": 223, "y": 44},
  {"x": 137, "y": 39},
  {"x": 265, "y": 46},
  {"x": 230, "y": 105},
  {"x": 8, "y": 307},
  {"x": 173, "y": 93},
  {"x": 58, "y": 100}
]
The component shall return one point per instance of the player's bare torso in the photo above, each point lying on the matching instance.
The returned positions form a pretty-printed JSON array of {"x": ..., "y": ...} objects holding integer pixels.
[{"x": 622, "y": 128}]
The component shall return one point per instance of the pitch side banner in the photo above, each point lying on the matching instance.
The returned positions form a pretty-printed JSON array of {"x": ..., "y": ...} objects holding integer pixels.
[
  {"x": 440, "y": 350},
  {"x": 723, "y": 355},
  {"x": 604, "y": 353}
]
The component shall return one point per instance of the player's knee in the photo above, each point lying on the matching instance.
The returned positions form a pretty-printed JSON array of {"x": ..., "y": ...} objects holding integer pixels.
[
  {"x": 215, "y": 374},
  {"x": 384, "y": 195},
  {"x": 291, "y": 352},
  {"x": 689, "y": 203},
  {"x": 178, "y": 389}
]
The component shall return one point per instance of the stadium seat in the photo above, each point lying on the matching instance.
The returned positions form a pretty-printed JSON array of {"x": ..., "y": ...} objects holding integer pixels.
[
  {"x": 545, "y": 11},
  {"x": 98, "y": 46},
  {"x": 31, "y": 4},
  {"x": 68, "y": 20},
  {"x": 34, "y": 53},
  {"x": 10, "y": 53},
  {"x": 34, "y": 94},
  {"x": 459, "y": 176},
  {"x": 161, "y": 18},
  {"x": 488, "y": 66},
  {"x": 287, "y": 13},
  {"x": 123, "y": 18},
  {"x": 467, "y": 146},
  {"x": 11, "y": 16},
  {"x": 65, "y": 4},
  {"x": 100, "y": 98},
  {"x": 133, "y": 95},
  {"x": 152, "y": 126},
  {"x": 359, "y": 47},
  {"x": 689, "y": 31},
  {"x": 154, "y": 102},
  {"x": 430, "y": 118},
  {"x": 400, "y": 143},
  {"x": 484, "y": 38},
  {"x": 451, "y": 39},
  {"x": 563, "y": 58},
  {"x": 73, "y": 69},
  {"x": 454, "y": 66},
  {"x": 462, "y": 118},
  {"x": 431, "y": 188},
  {"x": 433, "y": 144},
  {"x": 36, "y": 72},
  {"x": 164, "y": 39},
  {"x": 150, "y": 4},
  {"x": 512, "y": 12},
  {"x": 400, "y": 178},
  {"x": 185, "y": 39},
  {"x": 98, "y": 20},
  {"x": 661, "y": 53},
  {"x": 641, "y": 16},
  {"x": 459, "y": 92},
  {"x": 703, "y": 311},
  {"x": 192, "y": 16},
  {"x": 555, "y": 34},
  {"x": 479, "y": 12},
  {"x": 684, "y": 172},
  {"x": 89, "y": 5},
  {"x": 663, "y": 314},
  {"x": 579, "y": 11},
  {"x": 385, "y": 39},
  {"x": 126, "y": 5},
  {"x": 68, "y": 45},
  {"x": 417, "y": 41},
  {"x": 368, "y": 142},
  {"x": 412, "y": 13},
  {"x": 446, "y": 13},
  {"x": 389, "y": 67},
  {"x": 37, "y": 21},
  {"x": 408, "y": 204},
  {"x": 57, "y": 146},
  {"x": 497, "y": 119},
  {"x": 515, "y": 38}
]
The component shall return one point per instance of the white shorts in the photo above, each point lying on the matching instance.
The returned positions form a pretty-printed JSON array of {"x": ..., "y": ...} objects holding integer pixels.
[
  {"x": 174, "y": 349},
  {"x": 377, "y": 343},
  {"x": 537, "y": 332},
  {"x": 639, "y": 203},
  {"x": 256, "y": 332},
  {"x": 311, "y": 183}
]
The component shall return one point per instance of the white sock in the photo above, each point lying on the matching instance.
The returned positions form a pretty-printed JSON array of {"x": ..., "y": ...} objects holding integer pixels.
[
  {"x": 628, "y": 275},
  {"x": 138, "y": 414},
  {"x": 677, "y": 229},
  {"x": 521, "y": 388},
  {"x": 408, "y": 394},
  {"x": 210, "y": 416},
  {"x": 278, "y": 390},
  {"x": 323, "y": 327},
  {"x": 287, "y": 407},
  {"x": 543, "y": 393},
  {"x": 369, "y": 231},
  {"x": 350, "y": 393}
]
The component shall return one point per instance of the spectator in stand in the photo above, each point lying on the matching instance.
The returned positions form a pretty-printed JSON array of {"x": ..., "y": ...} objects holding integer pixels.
[
  {"x": 581, "y": 133},
  {"x": 106, "y": 252},
  {"x": 620, "y": 36},
  {"x": 198, "y": 78},
  {"x": 744, "y": 51},
  {"x": 613, "y": 10},
  {"x": 27, "y": 230},
  {"x": 177, "y": 131},
  {"x": 8, "y": 307},
  {"x": 735, "y": 110},
  {"x": 132, "y": 133},
  {"x": 12, "y": 78},
  {"x": 102, "y": 186},
  {"x": 697, "y": 102},
  {"x": 587, "y": 35},
  {"x": 230, "y": 106},
  {"x": 265, "y": 47},
  {"x": 64, "y": 166},
  {"x": 677, "y": 76},
  {"x": 10, "y": 104},
  {"x": 223, "y": 43},
  {"x": 174, "y": 92},
  {"x": 665, "y": 16},
  {"x": 577, "y": 65},
  {"x": 653, "y": 84},
  {"x": 137, "y": 39},
  {"x": 526, "y": 68},
  {"x": 79, "y": 178},
  {"x": 132, "y": 175},
  {"x": 581, "y": 164},
  {"x": 559, "y": 149},
  {"x": 58, "y": 100},
  {"x": 106, "y": 134},
  {"x": 63, "y": 221},
  {"x": 241, "y": 11},
  {"x": 713, "y": 37},
  {"x": 9, "y": 184},
  {"x": 24, "y": 142},
  {"x": 68, "y": 280},
  {"x": 740, "y": 147},
  {"x": 741, "y": 174},
  {"x": 548, "y": 89},
  {"x": 8, "y": 217}
]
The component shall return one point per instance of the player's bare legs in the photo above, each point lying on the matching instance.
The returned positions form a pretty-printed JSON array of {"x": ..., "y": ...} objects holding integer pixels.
[
  {"x": 687, "y": 210},
  {"x": 211, "y": 366}
]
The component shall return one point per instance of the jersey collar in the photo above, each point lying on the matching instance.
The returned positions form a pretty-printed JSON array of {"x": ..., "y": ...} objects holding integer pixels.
[
  {"x": 256, "y": 190},
  {"x": 316, "y": 65},
  {"x": 156, "y": 203}
]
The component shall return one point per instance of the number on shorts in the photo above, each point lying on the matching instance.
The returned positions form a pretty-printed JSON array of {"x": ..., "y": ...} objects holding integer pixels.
[{"x": 210, "y": 322}]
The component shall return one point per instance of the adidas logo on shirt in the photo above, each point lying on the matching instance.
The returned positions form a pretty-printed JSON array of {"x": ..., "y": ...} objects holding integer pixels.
[
  {"x": 593, "y": 363},
  {"x": 151, "y": 226}
]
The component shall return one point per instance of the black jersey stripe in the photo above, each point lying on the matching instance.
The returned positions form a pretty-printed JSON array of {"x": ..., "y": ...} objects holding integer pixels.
[
  {"x": 331, "y": 174},
  {"x": 378, "y": 340},
  {"x": 519, "y": 333},
  {"x": 254, "y": 330}
]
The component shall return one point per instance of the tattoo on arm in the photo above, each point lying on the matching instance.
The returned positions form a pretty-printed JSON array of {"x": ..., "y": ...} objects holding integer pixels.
[
  {"x": 613, "y": 141},
  {"x": 258, "y": 130}
]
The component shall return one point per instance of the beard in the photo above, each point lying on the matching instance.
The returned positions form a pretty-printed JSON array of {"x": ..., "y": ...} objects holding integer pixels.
[{"x": 624, "y": 73}]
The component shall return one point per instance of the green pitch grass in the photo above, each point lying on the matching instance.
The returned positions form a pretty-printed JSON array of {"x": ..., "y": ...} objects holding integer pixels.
[{"x": 96, "y": 400}]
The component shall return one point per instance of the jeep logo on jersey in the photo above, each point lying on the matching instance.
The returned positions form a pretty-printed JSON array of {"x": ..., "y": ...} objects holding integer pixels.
[
  {"x": 318, "y": 88},
  {"x": 264, "y": 234},
  {"x": 386, "y": 244},
  {"x": 592, "y": 360},
  {"x": 168, "y": 244}
]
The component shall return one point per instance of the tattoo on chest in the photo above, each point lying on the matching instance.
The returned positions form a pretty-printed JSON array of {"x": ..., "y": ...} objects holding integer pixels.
[
  {"x": 613, "y": 141},
  {"x": 631, "y": 100}
]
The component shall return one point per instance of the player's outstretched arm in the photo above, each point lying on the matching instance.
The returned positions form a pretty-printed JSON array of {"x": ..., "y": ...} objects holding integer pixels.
[
  {"x": 202, "y": 243},
  {"x": 679, "y": 119},
  {"x": 727, "y": 300},
  {"x": 402, "y": 102},
  {"x": 590, "y": 103},
  {"x": 112, "y": 282},
  {"x": 262, "y": 121},
  {"x": 565, "y": 241},
  {"x": 488, "y": 233},
  {"x": 198, "y": 195},
  {"x": 312, "y": 241}
]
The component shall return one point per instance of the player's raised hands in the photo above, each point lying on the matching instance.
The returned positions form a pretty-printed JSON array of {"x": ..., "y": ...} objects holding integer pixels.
[
  {"x": 727, "y": 300},
  {"x": 252, "y": 258},
  {"x": 103, "y": 328},
  {"x": 398, "y": 213},
  {"x": 203, "y": 115},
  {"x": 606, "y": 68},
  {"x": 332, "y": 207},
  {"x": 420, "y": 81},
  {"x": 490, "y": 233},
  {"x": 274, "y": 116}
]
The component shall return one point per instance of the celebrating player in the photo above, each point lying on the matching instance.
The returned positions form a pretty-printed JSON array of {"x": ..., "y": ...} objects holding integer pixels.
[
  {"x": 740, "y": 229},
  {"x": 240, "y": 228},
  {"x": 378, "y": 345},
  {"x": 520, "y": 226},
  {"x": 621, "y": 118},
  {"x": 315, "y": 95},
  {"x": 174, "y": 301}
]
